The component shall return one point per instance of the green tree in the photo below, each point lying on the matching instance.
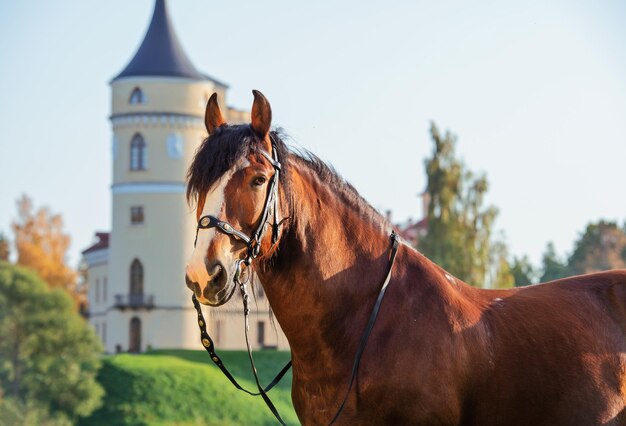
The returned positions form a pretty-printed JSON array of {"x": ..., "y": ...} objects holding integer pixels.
[
  {"x": 523, "y": 272},
  {"x": 4, "y": 248},
  {"x": 552, "y": 266},
  {"x": 502, "y": 276},
  {"x": 459, "y": 234},
  {"x": 49, "y": 356},
  {"x": 602, "y": 246}
]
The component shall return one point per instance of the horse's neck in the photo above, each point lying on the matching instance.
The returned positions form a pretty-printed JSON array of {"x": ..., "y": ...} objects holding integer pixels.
[{"x": 331, "y": 264}]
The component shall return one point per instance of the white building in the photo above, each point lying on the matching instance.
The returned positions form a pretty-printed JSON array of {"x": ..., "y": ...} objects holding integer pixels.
[{"x": 137, "y": 296}]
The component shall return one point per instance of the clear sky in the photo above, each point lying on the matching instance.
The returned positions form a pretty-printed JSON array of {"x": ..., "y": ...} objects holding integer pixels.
[{"x": 535, "y": 90}]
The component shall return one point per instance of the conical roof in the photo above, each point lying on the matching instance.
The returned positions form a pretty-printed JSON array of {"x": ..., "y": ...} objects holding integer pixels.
[{"x": 160, "y": 53}]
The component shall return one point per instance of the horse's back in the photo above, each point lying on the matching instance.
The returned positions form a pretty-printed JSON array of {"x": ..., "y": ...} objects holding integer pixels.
[
  {"x": 598, "y": 299},
  {"x": 558, "y": 352}
]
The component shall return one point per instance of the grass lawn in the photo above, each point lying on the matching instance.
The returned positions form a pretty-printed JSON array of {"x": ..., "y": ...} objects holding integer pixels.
[{"x": 181, "y": 387}]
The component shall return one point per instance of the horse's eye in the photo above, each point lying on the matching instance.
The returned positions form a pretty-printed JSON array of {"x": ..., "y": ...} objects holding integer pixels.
[{"x": 258, "y": 181}]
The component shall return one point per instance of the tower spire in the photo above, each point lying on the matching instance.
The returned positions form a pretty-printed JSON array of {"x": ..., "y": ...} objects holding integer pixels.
[{"x": 160, "y": 52}]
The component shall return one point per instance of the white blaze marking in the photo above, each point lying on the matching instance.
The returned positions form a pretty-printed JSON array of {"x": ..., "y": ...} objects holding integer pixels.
[{"x": 213, "y": 204}]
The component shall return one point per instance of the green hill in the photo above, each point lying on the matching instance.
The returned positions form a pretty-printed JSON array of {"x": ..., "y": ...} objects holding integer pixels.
[{"x": 178, "y": 387}]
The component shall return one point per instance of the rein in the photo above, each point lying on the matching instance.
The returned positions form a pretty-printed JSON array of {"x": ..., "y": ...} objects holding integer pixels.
[{"x": 253, "y": 244}]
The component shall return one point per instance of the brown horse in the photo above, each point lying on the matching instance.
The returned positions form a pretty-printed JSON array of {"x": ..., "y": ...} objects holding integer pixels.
[{"x": 441, "y": 352}]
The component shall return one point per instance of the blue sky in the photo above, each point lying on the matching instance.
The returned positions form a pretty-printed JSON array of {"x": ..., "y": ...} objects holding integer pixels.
[{"x": 535, "y": 90}]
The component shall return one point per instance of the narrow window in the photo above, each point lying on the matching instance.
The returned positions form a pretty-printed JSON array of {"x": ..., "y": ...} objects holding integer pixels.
[
  {"x": 136, "y": 96},
  {"x": 136, "y": 278},
  {"x": 136, "y": 215},
  {"x": 138, "y": 157},
  {"x": 261, "y": 333},
  {"x": 97, "y": 296},
  {"x": 260, "y": 292},
  {"x": 104, "y": 289}
]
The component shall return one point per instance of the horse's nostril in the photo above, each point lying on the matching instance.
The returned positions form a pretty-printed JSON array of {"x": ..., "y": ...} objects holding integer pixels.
[
  {"x": 215, "y": 271},
  {"x": 217, "y": 276},
  {"x": 193, "y": 286}
]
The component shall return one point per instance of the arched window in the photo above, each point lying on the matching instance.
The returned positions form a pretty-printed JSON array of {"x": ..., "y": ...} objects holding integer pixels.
[
  {"x": 138, "y": 154},
  {"x": 136, "y": 278},
  {"x": 174, "y": 143},
  {"x": 260, "y": 335},
  {"x": 136, "y": 97}
]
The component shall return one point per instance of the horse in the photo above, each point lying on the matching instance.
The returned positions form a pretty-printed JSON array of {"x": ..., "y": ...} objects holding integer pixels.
[{"x": 441, "y": 352}]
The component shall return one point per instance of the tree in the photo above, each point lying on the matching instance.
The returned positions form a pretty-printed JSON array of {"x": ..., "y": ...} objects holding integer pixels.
[
  {"x": 42, "y": 245},
  {"x": 4, "y": 248},
  {"x": 522, "y": 271},
  {"x": 459, "y": 234},
  {"x": 601, "y": 247},
  {"x": 552, "y": 266},
  {"x": 501, "y": 269},
  {"x": 50, "y": 355}
]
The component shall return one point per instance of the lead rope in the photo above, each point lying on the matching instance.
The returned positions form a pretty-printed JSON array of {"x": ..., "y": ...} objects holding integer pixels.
[
  {"x": 246, "y": 313},
  {"x": 208, "y": 344}
]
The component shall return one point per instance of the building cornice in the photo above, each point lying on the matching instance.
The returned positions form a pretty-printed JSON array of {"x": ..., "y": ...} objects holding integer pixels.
[
  {"x": 113, "y": 308},
  {"x": 97, "y": 257},
  {"x": 170, "y": 119},
  {"x": 148, "y": 188},
  {"x": 164, "y": 79}
]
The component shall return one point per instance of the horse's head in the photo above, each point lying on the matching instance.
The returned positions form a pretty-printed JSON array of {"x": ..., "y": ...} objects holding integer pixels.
[{"x": 232, "y": 180}]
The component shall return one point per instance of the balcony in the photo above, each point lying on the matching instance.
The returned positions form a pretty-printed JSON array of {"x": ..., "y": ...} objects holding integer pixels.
[{"x": 134, "y": 301}]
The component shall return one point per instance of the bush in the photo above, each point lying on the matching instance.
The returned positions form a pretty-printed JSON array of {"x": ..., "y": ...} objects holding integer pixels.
[
  {"x": 49, "y": 354},
  {"x": 180, "y": 387}
]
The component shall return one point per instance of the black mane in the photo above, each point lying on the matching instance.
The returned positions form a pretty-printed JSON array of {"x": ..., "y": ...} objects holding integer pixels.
[{"x": 219, "y": 153}]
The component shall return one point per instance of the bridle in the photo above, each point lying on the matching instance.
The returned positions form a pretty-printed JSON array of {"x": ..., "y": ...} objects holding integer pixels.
[{"x": 253, "y": 244}]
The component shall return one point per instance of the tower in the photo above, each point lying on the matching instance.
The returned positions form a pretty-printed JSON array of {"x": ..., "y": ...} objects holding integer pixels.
[
  {"x": 157, "y": 112},
  {"x": 137, "y": 296}
]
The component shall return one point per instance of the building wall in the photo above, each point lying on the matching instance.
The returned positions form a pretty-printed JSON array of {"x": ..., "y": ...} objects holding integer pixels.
[
  {"x": 226, "y": 325},
  {"x": 98, "y": 291},
  {"x": 171, "y": 122}
]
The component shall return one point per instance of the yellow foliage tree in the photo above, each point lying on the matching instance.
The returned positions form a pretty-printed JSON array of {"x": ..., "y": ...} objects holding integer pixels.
[{"x": 41, "y": 245}]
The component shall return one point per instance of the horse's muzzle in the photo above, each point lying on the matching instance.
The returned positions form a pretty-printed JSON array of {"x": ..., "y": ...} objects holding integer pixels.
[{"x": 215, "y": 291}]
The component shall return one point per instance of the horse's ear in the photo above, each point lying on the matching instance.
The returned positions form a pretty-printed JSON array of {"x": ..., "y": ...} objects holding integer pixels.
[
  {"x": 261, "y": 115},
  {"x": 213, "y": 117}
]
